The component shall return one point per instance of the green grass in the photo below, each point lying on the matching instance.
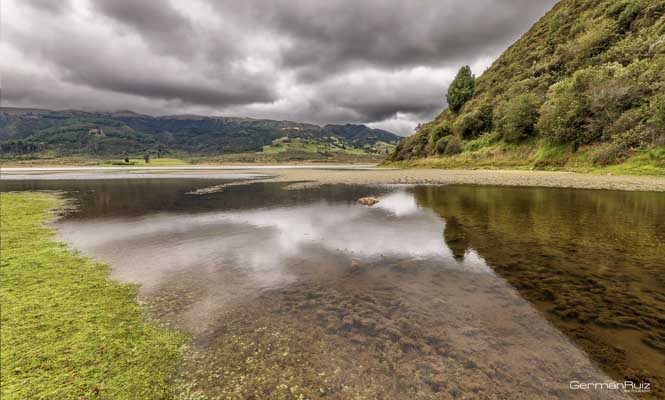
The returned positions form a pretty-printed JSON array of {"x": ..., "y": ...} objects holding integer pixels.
[
  {"x": 67, "y": 330},
  {"x": 551, "y": 155},
  {"x": 649, "y": 162}
]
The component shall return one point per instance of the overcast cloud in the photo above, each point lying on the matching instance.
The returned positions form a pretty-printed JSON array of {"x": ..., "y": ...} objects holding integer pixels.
[{"x": 378, "y": 62}]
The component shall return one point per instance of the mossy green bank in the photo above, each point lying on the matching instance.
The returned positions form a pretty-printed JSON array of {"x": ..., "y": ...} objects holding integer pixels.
[{"x": 68, "y": 332}]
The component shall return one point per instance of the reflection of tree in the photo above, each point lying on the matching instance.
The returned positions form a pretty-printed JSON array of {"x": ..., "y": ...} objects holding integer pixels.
[
  {"x": 591, "y": 260},
  {"x": 455, "y": 237}
]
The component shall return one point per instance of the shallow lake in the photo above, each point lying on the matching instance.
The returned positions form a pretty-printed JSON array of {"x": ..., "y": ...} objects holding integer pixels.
[{"x": 436, "y": 292}]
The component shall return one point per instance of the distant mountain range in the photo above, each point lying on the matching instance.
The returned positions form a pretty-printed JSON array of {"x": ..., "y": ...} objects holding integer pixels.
[{"x": 28, "y": 131}]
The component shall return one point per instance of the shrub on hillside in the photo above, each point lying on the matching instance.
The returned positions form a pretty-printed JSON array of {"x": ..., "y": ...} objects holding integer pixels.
[
  {"x": 655, "y": 129},
  {"x": 608, "y": 100},
  {"x": 658, "y": 108},
  {"x": 454, "y": 146},
  {"x": 399, "y": 154},
  {"x": 593, "y": 42},
  {"x": 616, "y": 9},
  {"x": 486, "y": 115},
  {"x": 597, "y": 39},
  {"x": 474, "y": 123},
  {"x": 468, "y": 125},
  {"x": 441, "y": 144},
  {"x": 484, "y": 140},
  {"x": 584, "y": 107},
  {"x": 609, "y": 154},
  {"x": 440, "y": 131},
  {"x": 418, "y": 147},
  {"x": 435, "y": 134},
  {"x": 519, "y": 117},
  {"x": 461, "y": 89},
  {"x": 631, "y": 120},
  {"x": 563, "y": 115},
  {"x": 627, "y": 16}
]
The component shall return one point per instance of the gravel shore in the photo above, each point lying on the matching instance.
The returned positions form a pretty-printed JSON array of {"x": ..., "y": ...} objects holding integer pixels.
[{"x": 476, "y": 177}]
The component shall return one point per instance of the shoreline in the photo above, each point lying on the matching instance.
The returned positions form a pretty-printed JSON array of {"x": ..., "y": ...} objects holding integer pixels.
[{"x": 368, "y": 175}]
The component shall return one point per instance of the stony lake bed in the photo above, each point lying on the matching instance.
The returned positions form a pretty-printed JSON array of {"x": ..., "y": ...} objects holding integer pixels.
[{"x": 287, "y": 288}]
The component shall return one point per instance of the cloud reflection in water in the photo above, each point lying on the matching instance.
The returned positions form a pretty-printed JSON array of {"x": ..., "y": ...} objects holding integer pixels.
[{"x": 259, "y": 241}]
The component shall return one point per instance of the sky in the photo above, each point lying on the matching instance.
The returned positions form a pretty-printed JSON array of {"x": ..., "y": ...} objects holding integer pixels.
[{"x": 384, "y": 63}]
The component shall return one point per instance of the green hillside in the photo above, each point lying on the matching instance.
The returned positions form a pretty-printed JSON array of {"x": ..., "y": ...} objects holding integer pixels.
[
  {"x": 34, "y": 133},
  {"x": 583, "y": 89}
]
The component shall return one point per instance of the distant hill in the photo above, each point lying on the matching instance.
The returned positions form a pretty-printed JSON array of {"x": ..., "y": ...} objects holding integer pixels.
[
  {"x": 26, "y": 132},
  {"x": 585, "y": 86}
]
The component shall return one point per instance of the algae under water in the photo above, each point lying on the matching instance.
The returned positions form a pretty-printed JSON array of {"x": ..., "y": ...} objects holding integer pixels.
[{"x": 435, "y": 292}]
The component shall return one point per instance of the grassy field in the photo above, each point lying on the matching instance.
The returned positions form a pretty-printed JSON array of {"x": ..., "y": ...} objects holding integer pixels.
[{"x": 68, "y": 332}]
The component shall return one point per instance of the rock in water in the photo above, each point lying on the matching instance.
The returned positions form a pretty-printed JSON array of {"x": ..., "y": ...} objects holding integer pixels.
[{"x": 368, "y": 201}]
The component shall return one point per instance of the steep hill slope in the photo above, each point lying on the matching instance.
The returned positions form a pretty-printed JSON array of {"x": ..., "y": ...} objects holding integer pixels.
[
  {"x": 585, "y": 86},
  {"x": 26, "y": 132}
]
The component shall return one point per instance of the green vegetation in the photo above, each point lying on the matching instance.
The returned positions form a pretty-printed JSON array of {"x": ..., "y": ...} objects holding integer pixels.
[
  {"x": 328, "y": 147},
  {"x": 518, "y": 118},
  {"x": 589, "y": 76},
  {"x": 68, "y": 332},
  {"x": 489, "y": 152},
  {"x": 453, "y": 146},
  {"x": 650, "y": 162},
  {"x": 28, "y": 134},
  {"x": 461, "y": 89}
]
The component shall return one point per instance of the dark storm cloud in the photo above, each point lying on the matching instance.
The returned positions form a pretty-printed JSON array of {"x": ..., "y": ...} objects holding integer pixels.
[
  {"x": 82, "y": 61},
  {"x": 155, "y": 20},
  {"x": 328, "y": 36},
  {"x": 145, "y": 15},
  {"x": 26, "y": 88},
  {"x": 187, "y": 91},
  {"x": 317, "y": 61},
  {"x": 379, "y": 96},
  {"x": 49, "y": 6}
]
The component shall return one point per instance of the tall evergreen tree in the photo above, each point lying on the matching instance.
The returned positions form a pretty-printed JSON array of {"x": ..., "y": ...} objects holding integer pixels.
[{"x": 461, "y": 89}]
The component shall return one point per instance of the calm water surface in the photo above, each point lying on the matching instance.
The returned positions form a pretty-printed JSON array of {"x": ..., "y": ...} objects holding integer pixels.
[{"x": 434, "y": 293}]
